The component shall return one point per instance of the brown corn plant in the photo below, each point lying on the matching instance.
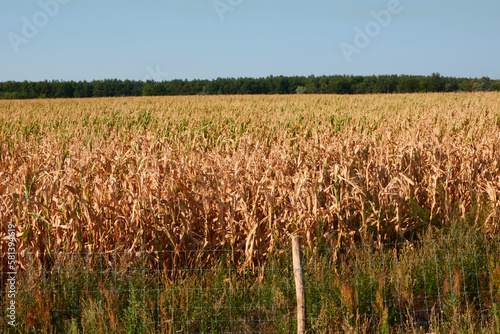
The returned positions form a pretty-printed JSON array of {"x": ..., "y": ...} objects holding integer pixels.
[{"x": 243, "y": 172}]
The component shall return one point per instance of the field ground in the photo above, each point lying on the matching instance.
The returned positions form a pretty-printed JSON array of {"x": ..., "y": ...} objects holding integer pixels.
[{"x": 401, "y": 192}]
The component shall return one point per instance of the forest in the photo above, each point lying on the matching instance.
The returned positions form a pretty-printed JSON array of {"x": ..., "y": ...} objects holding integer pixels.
[{"x": 336, "y": 84}]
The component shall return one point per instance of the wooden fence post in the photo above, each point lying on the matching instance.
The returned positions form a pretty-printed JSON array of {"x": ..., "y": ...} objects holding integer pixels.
[{"x": 300, "y": 285}]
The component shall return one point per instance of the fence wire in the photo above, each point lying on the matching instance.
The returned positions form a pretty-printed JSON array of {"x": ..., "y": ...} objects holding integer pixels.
[{"x": 446, "y": 284}]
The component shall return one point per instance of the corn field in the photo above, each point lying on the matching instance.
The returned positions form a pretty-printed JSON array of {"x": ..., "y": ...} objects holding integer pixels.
[{"x": 244, "y": 173}]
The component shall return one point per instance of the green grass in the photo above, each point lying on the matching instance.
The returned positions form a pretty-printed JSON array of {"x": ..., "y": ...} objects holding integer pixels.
[{"x": 447, "y": 281}]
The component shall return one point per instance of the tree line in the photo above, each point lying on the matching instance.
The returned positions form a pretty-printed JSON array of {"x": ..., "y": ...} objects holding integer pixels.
[{"x": 336, "y": 84}]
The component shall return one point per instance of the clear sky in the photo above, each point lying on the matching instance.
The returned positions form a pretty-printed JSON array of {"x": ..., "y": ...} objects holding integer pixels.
[{"x": 205, "y": 39}]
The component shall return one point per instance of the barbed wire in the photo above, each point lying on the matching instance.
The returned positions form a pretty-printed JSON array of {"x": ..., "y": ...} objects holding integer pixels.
[{"x": 448, "y": 283}]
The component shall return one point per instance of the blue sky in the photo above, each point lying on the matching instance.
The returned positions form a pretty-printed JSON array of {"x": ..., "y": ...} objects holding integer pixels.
[{"x": 187, "y": 39}]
